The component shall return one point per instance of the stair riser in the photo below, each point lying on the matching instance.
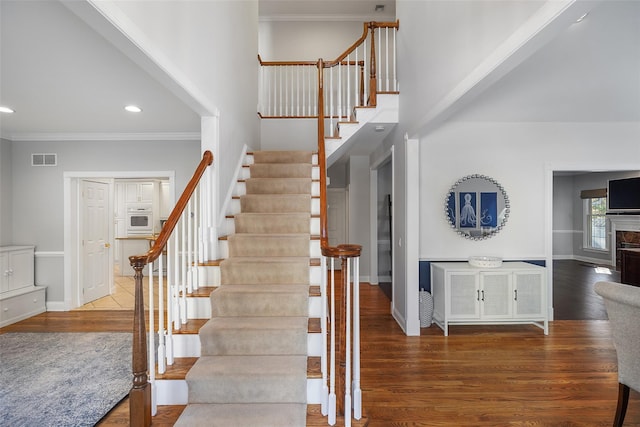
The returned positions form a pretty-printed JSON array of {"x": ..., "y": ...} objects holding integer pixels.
[
  {"x": 188, "y": 345},
  {"x": 268, "y": 246},
  {"x": 176, "y": 392},
  {"x": 278, "y": 186},
  {"x": 314, "y": 248},
  {"x": 239, "y": 341},
  {"x": 261, "y": 170},
  {"x": 234, "y": 206},
  {"x": 272, "y": 224},
  {"x": 246, "y": 390},
  {"x": 259, "y": 304},
  {"x": 210, "y": 275},
  {"x": 254, "y": 203},
  {"x": 243, "y": 274}
]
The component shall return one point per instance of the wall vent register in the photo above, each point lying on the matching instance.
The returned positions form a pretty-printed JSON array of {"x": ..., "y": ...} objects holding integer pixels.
[{"x": 44, "y": 159}]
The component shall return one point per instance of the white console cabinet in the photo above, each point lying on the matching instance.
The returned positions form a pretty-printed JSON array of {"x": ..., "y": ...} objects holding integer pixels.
[
  {"x": 19, "y": 297},
  {"x": 511, "y": 294}
]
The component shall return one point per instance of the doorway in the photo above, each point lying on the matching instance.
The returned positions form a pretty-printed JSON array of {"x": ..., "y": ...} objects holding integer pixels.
[{"x": 75, "y": 268}]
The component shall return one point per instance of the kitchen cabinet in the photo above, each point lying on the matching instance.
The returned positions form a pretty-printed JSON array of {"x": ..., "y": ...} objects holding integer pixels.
[
  {"x": 19, "y": 297},
  {"x": 511, "y": 294},
  {"x": 139, "y": 191}
]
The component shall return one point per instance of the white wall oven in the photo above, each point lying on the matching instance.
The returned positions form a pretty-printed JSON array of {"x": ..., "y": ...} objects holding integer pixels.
[{"x": 139, "y": 219}]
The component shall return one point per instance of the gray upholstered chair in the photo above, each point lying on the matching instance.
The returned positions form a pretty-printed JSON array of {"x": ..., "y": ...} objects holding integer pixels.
[{"x": 623, "y": 307}]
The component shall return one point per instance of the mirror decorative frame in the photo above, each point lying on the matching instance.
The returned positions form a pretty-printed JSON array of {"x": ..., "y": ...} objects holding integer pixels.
[{"x": 477, "y": 193}]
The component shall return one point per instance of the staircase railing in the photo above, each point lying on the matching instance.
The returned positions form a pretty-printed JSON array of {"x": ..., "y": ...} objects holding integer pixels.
[
  {"x": 289, "y": 89},
  {"x": 330, "y": 91},
  {"x": 180, "y": 244}
]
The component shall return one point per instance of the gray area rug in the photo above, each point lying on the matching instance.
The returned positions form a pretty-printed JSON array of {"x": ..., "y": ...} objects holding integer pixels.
[{"x": 62, "y": 379}]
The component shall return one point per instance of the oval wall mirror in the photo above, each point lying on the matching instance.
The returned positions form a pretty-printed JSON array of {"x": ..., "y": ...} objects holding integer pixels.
[{"x": 477, "y": 207}]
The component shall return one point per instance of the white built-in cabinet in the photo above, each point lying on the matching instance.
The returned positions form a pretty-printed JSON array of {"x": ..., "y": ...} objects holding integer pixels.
[
  {"x": 19, "y": 297},
  {"x": 511, "y": 294},
  {"x": 139, "y": 192}
]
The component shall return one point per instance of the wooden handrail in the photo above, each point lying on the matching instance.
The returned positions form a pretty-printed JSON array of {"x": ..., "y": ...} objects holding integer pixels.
[{"x": 140, "y": 394}]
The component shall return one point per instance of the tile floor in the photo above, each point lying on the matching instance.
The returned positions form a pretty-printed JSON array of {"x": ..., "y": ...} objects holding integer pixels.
[{"x": 123, "y": 297}]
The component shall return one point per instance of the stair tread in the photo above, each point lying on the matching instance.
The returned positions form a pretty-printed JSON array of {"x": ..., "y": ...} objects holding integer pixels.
[
  {"x": 191, "y": 327},
  {"x": 178, "y": 370},
  {"x": 244, "y": 414},
  {"x": 248, "y": 366}
]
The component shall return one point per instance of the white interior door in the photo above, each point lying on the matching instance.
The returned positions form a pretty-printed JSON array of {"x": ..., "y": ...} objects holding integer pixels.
[{"x": 95, "y": 240}]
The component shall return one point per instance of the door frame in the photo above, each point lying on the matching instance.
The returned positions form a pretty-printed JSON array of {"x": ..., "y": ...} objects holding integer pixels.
[
  {"x": 72, "y": 233},
  {"x": 383, "y": 161}
]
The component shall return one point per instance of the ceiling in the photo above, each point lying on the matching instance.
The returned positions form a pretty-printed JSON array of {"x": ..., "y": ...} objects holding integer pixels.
[
  {"x": 66, "y": 81},
  {"x": 591, "y": 72}
]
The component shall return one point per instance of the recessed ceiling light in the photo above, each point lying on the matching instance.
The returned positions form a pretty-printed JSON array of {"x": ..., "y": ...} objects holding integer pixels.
[
  {"x": 133, "y": 109},
  {"x": 4, "y": 109},
  {"x": 582, "y": 17}
]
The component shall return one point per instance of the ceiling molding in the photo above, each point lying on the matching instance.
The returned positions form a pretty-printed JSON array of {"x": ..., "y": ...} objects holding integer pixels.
[
  {"x": 328, "y": 17},
  {"x": 107, "y": 136}
]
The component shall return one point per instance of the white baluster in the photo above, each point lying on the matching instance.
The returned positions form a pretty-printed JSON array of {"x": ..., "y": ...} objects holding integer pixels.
[
  {"x": 356, "y": 74},
  {"x": 177, "y": 316},
  {"x": 357, "y": 392},
  {"x": 323, "y": 329},
  {"x": 395, "y": 71},
  {"x": 183, "y": 269},
  {"x": 331, "y": 124},
  {"x": 161, "y": 331},
  {"x": 170, "y": 305},
  {"x": 367, "y": 74},
  {"x": 386, "y": 56},
  {"x": 348, "y": 90},
  {"x": 378, "y": 63},
  {"x": 347, "y": 352},
  {"x": 189, "y": 211},
  {"x": 332, "y": 351}
]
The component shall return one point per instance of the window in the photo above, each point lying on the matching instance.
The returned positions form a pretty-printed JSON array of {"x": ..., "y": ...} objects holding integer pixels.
[{"x": 595, "y": 236}]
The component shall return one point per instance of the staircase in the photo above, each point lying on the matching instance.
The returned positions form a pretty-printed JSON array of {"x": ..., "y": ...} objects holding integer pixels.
[{"x": 255, "y": 348}]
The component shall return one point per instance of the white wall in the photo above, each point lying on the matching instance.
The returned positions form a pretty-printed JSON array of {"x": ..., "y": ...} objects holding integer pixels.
[
  {"x": 289, "y": 134},
  {"x": 211, "y": 47},
  {"x": 306, "y": 40},
  {"x": 37, "y": 202},
  {"x": 6, "y": 182},
  {"x": 358, "y": 173},
  {"x": 521, "y": 157},
  {"x": 441, "y": 42}
]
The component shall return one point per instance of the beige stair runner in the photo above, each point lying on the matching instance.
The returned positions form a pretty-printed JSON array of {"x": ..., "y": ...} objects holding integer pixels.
[{"x": 253, "y": 367}]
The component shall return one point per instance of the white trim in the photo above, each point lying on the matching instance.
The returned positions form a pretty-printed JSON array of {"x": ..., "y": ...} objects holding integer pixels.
[
  {"x": 373, "y": 225},
  {"x": 49, "y": 254},
  {"x": 232, "y": 187},
  {"x": 71, "y": 179},
  {"x": 412, "y": 239},
  {"x": 328, "y": 18}
]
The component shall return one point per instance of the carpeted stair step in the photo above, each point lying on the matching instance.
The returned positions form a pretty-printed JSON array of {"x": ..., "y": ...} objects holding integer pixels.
[
  {"x": 254, "y": 336},
  {"x": 260, "y": 300},
  {"x": 274, "y": 245},
  {"x": 245, "y": 271},
  {"x": 280, "y": 170},
  {"x": 248, "y": 379},
  {"x": 244, "y": 415},
  {"x": 265, "y": 223},
  {"x": 269, "y": 203},
  {"x": 282, "y": 156},
  {"x": 278, "y": 186}
]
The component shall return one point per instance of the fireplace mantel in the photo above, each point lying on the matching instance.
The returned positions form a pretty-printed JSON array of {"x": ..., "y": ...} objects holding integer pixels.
[{"x": 628, "y": 223}]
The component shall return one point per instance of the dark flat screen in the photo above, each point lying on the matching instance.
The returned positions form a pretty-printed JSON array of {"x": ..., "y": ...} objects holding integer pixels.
[{"x": 624, "y": 194}]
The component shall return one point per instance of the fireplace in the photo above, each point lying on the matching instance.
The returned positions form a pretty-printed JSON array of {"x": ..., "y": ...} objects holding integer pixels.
[{"x": 625, "y": 229}]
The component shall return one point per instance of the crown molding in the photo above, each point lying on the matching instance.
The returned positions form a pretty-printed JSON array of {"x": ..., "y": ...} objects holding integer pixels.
[
  {"x": 328, "y": 17},
  {"x": 138, "y": 136}
]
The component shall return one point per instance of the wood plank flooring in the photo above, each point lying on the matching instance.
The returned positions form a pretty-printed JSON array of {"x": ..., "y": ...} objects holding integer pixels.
[{"x": 477, "y": 376}]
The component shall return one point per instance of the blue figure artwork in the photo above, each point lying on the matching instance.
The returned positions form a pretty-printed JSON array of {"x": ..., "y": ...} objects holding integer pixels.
[
  {"x": 468, "y": 210},
  {"x": 451, "y": 207},
  {"x": 489, "y": 209}
]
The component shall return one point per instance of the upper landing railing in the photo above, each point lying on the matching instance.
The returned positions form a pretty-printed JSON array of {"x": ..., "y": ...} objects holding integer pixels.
[{"x": 289, "y": 89}]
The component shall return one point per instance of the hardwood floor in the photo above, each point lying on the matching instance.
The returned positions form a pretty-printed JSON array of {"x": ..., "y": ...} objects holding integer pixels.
[
  {"x": 477, "y": 376},
  {"x": 573, "y": 295}
]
